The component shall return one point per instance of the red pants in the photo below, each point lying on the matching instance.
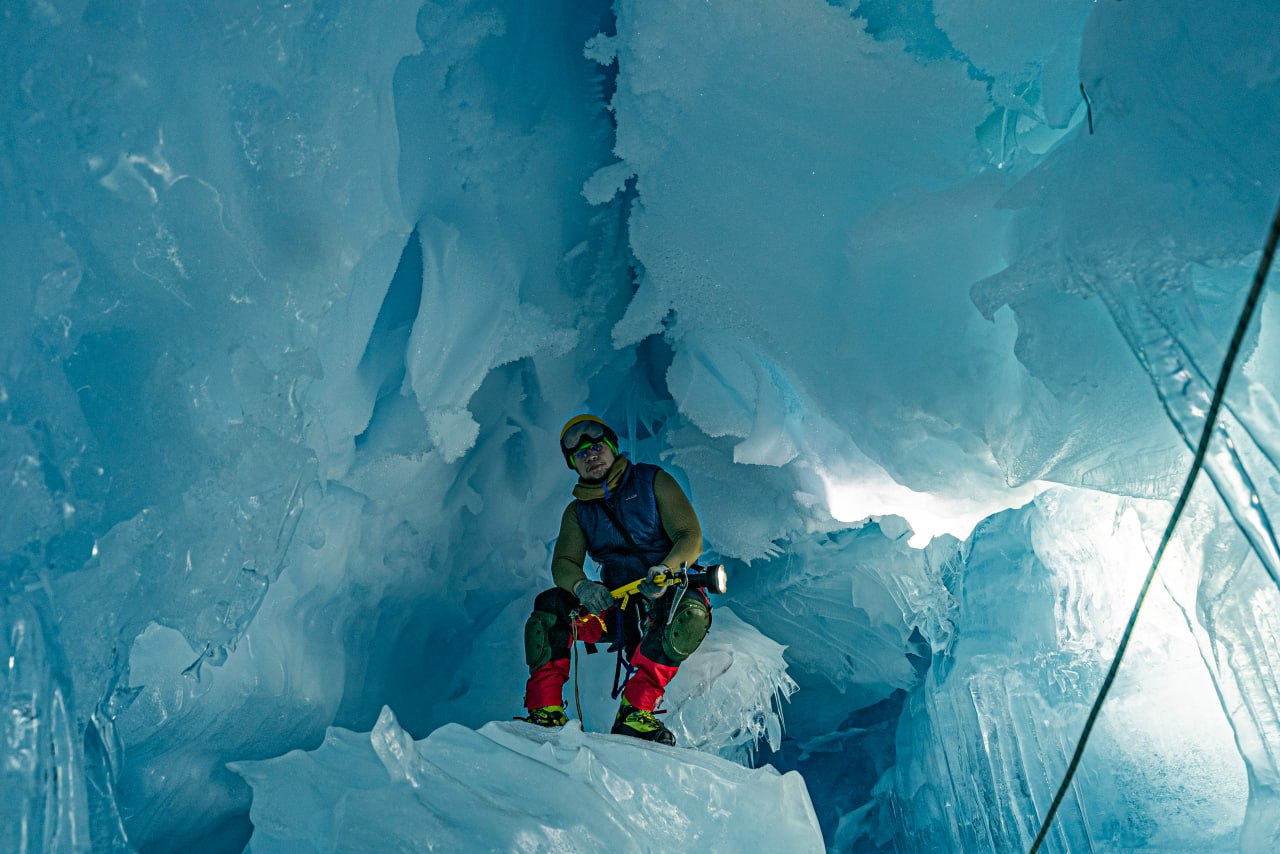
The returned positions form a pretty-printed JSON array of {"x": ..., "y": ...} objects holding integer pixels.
[{"x": 644, "y": 689}]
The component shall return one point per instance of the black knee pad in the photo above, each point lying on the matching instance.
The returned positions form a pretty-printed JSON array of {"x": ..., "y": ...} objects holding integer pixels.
[
  {"x": 537, "y": 639},
  {"x": 686, "y": 630}
]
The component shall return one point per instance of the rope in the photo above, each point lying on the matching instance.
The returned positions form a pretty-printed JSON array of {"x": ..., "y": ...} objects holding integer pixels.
[
  {"x": 1088, "y": 105},
  {"x": 573, "y": 649},
  {"x": 1224, "y": 376}
]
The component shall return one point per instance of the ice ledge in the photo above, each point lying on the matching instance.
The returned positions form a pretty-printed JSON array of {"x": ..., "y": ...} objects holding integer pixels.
[{"x": 511, "y": 786}]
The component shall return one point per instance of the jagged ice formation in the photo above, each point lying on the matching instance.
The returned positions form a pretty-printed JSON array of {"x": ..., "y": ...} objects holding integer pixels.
[{"x": 920, "y": 301}]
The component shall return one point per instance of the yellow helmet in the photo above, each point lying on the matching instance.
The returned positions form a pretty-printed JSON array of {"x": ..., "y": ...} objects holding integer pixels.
[{"x": 584, "y": 429}]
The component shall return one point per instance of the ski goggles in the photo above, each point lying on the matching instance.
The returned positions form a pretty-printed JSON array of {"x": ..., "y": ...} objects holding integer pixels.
[
  {"x": 589, "y": 448},
  {"x": 581, "y": 435}
]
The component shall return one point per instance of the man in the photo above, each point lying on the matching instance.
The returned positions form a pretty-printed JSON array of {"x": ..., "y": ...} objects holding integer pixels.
[{"x": 636, "y": 523}]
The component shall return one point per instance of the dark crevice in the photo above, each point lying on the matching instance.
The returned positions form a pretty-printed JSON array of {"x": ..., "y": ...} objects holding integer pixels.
[
  {"x": 609, "y": 73},
  {"x": 383, "y": 361},
  {"x": 912, "y": 21}
]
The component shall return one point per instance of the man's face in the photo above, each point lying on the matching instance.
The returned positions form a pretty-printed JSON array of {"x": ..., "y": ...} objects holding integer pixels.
[{"x": 593, "y": 461}]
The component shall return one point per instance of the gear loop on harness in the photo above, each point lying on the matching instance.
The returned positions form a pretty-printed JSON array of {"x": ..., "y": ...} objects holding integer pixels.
[{"x": 643, "y": 624}]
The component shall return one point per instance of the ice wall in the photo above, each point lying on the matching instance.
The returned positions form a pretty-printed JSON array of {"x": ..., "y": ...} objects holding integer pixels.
[
  {"x": 182, "y": 199},
  {"x": 232, "y": 428},
  {"x": 1159, "y": 216},
  {"x": 1042, "y": 595},
  {"x": 814, "y": 198}
]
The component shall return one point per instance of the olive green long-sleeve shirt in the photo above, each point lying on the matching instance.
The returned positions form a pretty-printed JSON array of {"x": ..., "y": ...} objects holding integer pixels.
[{"x": 678, "y": 520}]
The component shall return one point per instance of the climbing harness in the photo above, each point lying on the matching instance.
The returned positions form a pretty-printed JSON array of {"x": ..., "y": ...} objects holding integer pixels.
[{"x": 620, "y": 645}]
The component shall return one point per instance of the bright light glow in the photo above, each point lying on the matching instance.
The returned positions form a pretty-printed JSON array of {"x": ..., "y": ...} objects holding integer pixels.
[
  {"x": 876, "y": 494},
  {"x": 1172, "y": 719}
]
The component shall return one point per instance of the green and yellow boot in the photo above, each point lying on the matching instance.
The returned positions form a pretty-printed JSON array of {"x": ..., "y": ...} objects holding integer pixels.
[
  {"x": 547, "y": 716},
  {"x": 641, "y": 723}
]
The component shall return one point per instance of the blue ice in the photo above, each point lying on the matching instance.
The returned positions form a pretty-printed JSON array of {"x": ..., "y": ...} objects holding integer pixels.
[{"x": 922, "y": 303}]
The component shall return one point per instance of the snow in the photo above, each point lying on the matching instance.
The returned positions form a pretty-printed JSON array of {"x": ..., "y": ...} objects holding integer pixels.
[{"x": 516, "y": 787}]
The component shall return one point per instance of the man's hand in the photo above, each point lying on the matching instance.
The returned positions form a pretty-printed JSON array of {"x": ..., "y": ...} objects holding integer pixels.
[
  {"x": 650, "y": 589},
  {"x": 594, "y": 596}
]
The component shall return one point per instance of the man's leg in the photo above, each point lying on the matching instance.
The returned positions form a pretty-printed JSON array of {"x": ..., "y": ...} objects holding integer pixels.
[
  {"x": 547, "y": 638},
  {"x": 656, "y": 662},
  {"x": 666, "y": 646}
]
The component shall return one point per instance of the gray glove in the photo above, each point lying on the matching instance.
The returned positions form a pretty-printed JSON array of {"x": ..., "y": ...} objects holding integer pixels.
[
  {"x": 648, "y": 588},
  {"x": 593, "y": 595}
]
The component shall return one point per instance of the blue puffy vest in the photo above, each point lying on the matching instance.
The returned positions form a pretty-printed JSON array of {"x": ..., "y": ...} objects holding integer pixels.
[{"x": 634, "y": 504}]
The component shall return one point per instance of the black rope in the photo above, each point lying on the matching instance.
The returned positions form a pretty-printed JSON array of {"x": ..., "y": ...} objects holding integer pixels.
[
  {"x": 1224, "y": 376},
  {"x": 1088, "y": 106},
  {"x": 573, "y": 648}
]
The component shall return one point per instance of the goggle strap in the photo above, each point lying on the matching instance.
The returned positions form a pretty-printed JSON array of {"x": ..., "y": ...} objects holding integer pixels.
[
  {"x": 587, "y": 429},
  {"x": 596, "y": 441}
]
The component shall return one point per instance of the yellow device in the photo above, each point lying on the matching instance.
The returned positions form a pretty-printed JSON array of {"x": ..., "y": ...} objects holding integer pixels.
[{"x": 712, "y": 578}]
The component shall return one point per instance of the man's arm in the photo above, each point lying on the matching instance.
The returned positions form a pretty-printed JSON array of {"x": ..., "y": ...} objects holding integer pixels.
[
  {"x": 678, "y": 520},
  {"x": 570, "y": 552}
]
